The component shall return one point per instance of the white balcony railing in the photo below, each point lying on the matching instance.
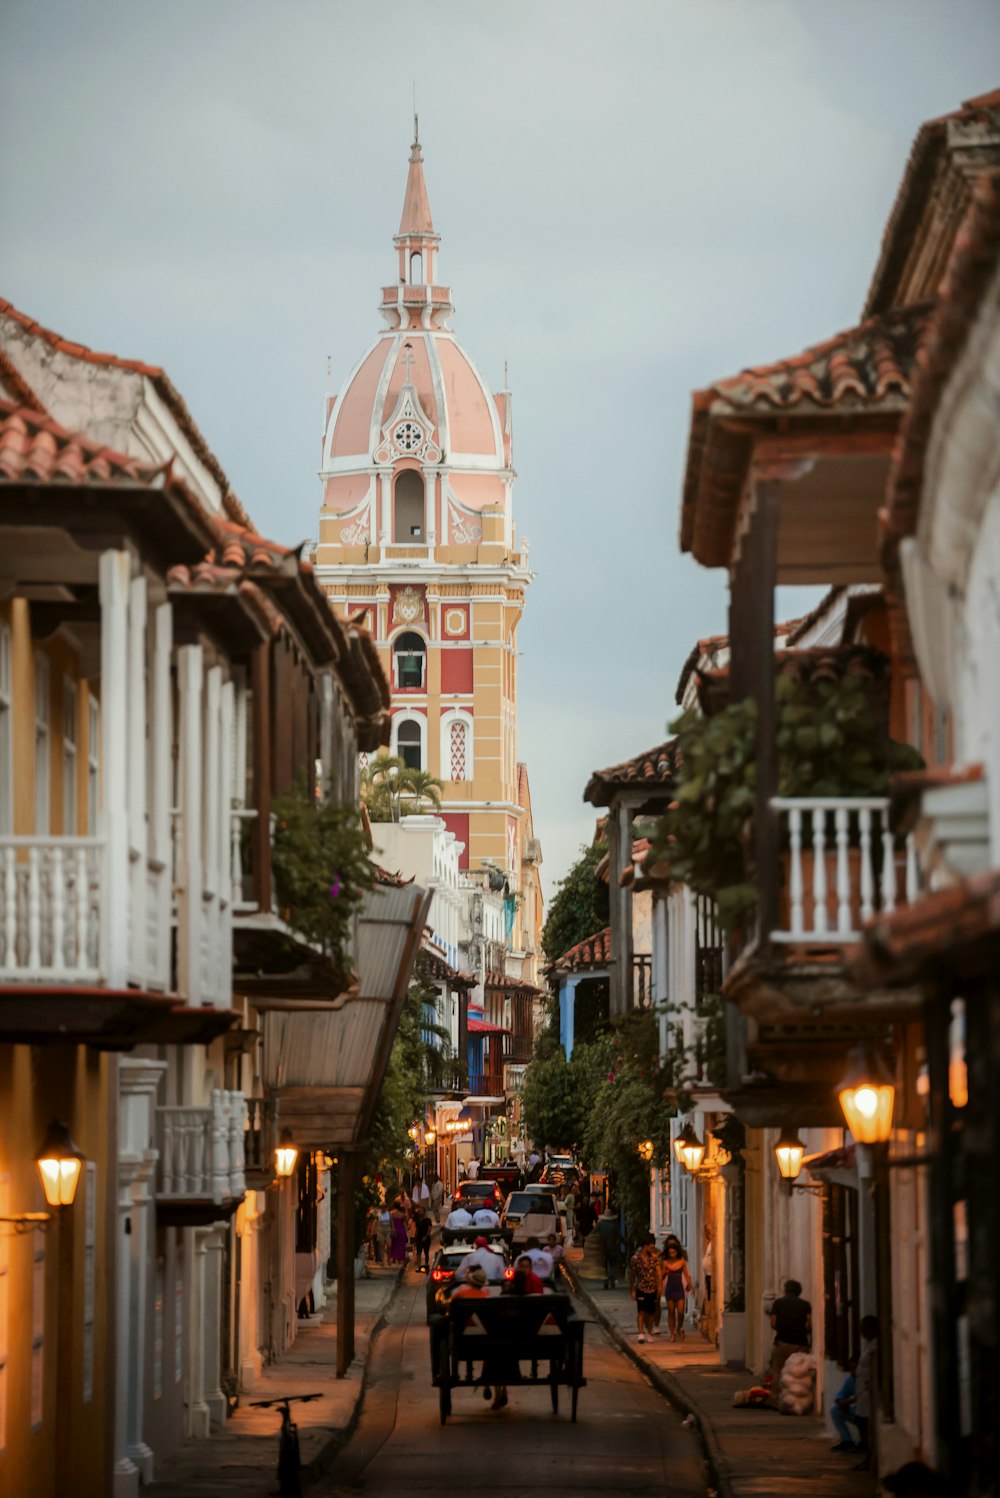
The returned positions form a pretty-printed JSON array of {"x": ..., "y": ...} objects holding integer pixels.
[
  {"x": 50, "y": 919},
  {"x": 843, "y": 865},
  {"x": 201, "y": 1150}
]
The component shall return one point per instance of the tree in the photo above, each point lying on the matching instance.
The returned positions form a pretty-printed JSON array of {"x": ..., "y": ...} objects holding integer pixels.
[
  {"x": 390, "y": 790},
  {"x": 580, "y": 905}
]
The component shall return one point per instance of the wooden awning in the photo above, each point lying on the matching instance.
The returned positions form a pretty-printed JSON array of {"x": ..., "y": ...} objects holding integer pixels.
[{"x": 326, "y": 1062}]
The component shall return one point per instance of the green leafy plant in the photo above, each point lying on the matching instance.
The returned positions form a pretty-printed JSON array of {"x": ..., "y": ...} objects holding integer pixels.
[
  {"x": 321, "y": 869},
  {"x": 829, "y": 741},
  {"x": 390, "y": 790},
  {"x": 579, "y": 906}
]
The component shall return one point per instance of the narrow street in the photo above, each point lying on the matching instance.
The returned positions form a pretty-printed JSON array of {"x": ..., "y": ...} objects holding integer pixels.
[{"x": 626, "y": 1439}]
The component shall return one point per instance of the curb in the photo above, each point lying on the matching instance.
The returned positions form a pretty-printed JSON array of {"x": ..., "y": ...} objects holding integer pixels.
[
  {"x": 322, "y": 1463},
  {"x": 667, "y": 1385}
]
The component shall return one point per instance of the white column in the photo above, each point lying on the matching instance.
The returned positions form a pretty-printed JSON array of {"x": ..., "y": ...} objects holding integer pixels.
[
  {"x": 191, "y": 676},
  {"x": 661, "y": 954},
  {"x": 211, "y": 1332},
  {"x": 160, "y": 850},
  {"x": 385, "y": 506},
  {"x": 115, "y": 569},
  {"x": 430, "y": 512},
  {"x": 136, "y": 785},
  {"x": 199, "y": 1416},
  {"x": 250, "y": 1220},
  {"x": 138, "y": 1082}
]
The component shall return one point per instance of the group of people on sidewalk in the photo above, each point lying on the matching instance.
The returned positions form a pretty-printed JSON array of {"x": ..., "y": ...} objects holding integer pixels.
[
  {"x": 657, "y": 1278},
  {"x": 404, "y": 1222}
]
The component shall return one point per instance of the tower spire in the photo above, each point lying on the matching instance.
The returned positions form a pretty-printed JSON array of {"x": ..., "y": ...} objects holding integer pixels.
[{"x": 416, "y": 217}]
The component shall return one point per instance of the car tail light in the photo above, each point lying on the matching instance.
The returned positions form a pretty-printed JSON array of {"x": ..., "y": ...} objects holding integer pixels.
[
  {"x": 508, "y": 1274},
  {"x": 437, "y": 1274}
]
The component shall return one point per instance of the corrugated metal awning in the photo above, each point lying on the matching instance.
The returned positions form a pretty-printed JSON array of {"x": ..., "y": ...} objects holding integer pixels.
[{"x": 326, "y": 1063}]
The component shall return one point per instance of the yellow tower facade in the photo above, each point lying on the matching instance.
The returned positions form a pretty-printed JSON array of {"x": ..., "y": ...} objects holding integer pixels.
[{"x": 416, "y": 529}]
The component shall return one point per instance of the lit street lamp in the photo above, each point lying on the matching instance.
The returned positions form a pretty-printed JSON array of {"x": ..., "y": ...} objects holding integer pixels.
[
  {"x": 867, "y": 1094},
  {"x": 59, "y": 1164},
  {"x": 285, "y": 1155}
]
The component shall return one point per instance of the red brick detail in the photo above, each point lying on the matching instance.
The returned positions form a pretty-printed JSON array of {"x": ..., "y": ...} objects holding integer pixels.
[{"x": 456, "y": 671}]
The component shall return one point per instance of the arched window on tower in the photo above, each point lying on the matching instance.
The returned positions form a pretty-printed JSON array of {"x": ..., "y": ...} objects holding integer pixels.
[
  {"x": 409, "y": 661},
  {"x": 458, "y": 749},
  {"x": 408, "y": 508},
  {"x": 416, "y": 269},
  {"x": 409, "y": 745}
]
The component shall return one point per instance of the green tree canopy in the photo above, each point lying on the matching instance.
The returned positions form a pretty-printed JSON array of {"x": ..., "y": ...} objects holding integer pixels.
[{"x": 579, "y": 906}]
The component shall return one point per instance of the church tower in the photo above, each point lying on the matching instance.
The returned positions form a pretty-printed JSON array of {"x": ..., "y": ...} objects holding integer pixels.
[{"x": 416, "y": 527}]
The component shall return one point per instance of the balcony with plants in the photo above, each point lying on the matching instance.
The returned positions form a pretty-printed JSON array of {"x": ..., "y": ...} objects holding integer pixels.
[{"x": 835, "y": 858}]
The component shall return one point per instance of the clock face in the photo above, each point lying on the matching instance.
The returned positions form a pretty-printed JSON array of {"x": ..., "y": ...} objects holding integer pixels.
[{"x": 408, "y": 436}]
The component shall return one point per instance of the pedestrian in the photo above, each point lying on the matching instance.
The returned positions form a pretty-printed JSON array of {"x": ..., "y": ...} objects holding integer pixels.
[
  {"x": 458, "y": 1217},
  {"x": 472, "y": 1170},
  {"x": 791, "y": 1321},
  {"x": 422, "y": 1195},
  {"x": 864, "y": 1384},
  {"x": 568, "y": 1209},
  {"x": 540, "y": 1258},
  {"x": 842, "y": 1412},
  {"x": 708, "y": 1263},
  {"x": 482, "y": 1257},
  {"x": 485, "y": 1217},
  {"x": 421, "y": 1239},
  {"x": 398, "y": 1221},
  {"x": 609, "y": 1233},
  {"x": 384, "y": 1233},
  {"x": 474, "y": 1284},
  {"x": 644, "y": 1284},
  {"x": 676, "y": 1286},
  {"x": 586, "y": 1217},
  {"x": 525, "y": 1281},
  {"x": 554, "y": 1249},
  {"x": 437, "y": 1196}
]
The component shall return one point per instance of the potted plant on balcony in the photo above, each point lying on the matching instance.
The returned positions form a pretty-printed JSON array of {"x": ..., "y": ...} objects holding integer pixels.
[
  {"x": 321, "y": 871},
  {"x": 831, "y": 741}
]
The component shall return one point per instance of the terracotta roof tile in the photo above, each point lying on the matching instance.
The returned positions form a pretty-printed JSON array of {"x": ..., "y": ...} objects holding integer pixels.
[
  {"x": 165, "y": 388},
  {"x": 34, "y": 448},
  {"x": 653, "y": 768},
  {"x": 956, "y": 930},
  {"x": 594, "y": 952},
  {"x": 863, "y": 372}
]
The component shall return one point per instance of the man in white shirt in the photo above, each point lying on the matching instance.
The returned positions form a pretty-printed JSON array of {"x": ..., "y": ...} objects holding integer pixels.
[
  {"x": 422, "y": 1195},
  {"x": 482, "y": 1255},
  {"x": 472, "y": 1169},
  {"x": 458, "y": 1217},
  {"x": 541, "y": 1261},
  {"x": 485, "y": 1217}
]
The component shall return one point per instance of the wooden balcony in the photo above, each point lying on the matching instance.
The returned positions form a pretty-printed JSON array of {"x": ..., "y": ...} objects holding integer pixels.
[
  {"x": 486, "y": 1083},
  {"x": 200, "y": 1172},
  {"x": 839, "y": 864},
  {"x": 55, "y": 917},
  {"x": 518, "y": 1048}
]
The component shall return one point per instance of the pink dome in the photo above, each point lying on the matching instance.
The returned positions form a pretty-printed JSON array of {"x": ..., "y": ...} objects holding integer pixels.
[{"x": 455, "y": 411}]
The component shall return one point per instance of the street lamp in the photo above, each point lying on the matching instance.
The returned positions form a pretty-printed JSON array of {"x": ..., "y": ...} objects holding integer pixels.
[
  {"x": 689, "y": 1149},
  {"x": 285, "y": 1155},
  {"x": 867, "y": 1094},
  {"x": 59, "y": 1164},
  {"x": 645, "y": 1150},
  {"x": 430, "y": 1136},
  {"x": 788, "y": 1152}
]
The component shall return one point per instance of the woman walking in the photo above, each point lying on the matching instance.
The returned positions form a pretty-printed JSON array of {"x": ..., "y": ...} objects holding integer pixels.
[
  {"x": 676, "y": 1286},
  {"x": 398, "y": 1251}
]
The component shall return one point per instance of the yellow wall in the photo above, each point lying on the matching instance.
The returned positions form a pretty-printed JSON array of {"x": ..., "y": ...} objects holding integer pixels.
[{"x": 70, "y": 1453}]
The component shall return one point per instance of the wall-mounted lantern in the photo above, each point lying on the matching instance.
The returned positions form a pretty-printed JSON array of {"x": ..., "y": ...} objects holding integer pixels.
[
  {"x": 59, "y": 1165},
  {"x": 285, "y": 1155},
  {"x": 867, "y": 1094}
]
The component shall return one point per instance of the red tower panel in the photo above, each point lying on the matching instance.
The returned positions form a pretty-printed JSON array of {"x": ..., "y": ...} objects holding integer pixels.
[{"x": 456, "y": 671}]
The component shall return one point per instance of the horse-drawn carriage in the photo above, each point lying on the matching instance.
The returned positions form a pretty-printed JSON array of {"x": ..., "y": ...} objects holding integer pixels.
[{"x": 507, "y": 1340}]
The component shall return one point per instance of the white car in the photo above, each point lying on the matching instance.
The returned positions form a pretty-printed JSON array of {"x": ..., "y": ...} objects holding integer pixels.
[{"x": 530, "y": 1214}]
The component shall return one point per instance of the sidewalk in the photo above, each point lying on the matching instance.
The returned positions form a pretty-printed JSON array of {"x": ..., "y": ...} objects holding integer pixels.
[
  {"x": 753, "y": 1453},
  {"x": 242, "y": 1457}
]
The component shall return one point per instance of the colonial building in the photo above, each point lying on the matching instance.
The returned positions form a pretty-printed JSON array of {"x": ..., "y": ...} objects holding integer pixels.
[{"x": 417, "y": 528}]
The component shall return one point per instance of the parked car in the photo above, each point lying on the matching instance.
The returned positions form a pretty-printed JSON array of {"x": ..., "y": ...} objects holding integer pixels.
[
  {"x": 529, "y": 1214},
  {"x": 441, "y": 1280}
]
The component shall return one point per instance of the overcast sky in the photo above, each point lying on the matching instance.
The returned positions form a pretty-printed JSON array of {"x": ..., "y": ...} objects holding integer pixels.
[{"x": 635, "y": 198}]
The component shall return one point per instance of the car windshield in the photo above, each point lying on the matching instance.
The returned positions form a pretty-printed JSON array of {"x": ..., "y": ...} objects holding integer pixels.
[
  {"x": 476, "y": 1189},
  {"x": 530, "y": 1201}
]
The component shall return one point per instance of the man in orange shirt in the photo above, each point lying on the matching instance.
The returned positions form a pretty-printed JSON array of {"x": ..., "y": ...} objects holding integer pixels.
[{"x": 475, "y": 1284}]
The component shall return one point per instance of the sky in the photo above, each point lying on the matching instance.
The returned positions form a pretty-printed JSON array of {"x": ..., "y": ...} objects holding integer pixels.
[{"x": 634, "y": 199}]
